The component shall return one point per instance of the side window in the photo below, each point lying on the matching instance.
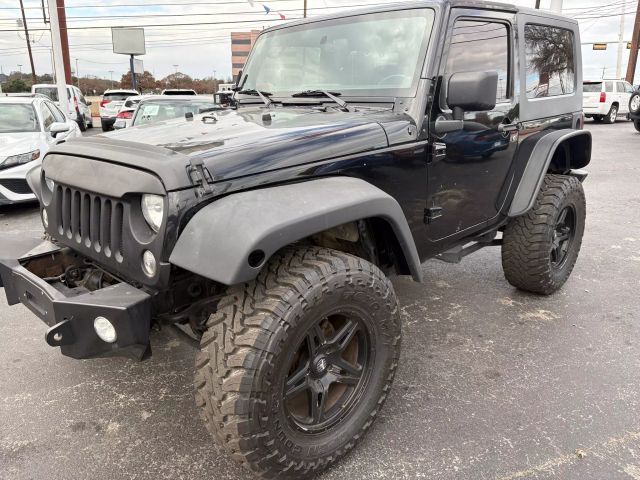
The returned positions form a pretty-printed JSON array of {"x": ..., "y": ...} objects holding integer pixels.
[
  {"x": 47, "y": 117},
  {"x": 479, "y": 46},
  {"x": 608, "y": 87},
  {"x": 627, "y": 87},
  {"x": 80, "y": 96},
  {"x": 550, "y": 61},
  {"x": 57, "y": 114}
]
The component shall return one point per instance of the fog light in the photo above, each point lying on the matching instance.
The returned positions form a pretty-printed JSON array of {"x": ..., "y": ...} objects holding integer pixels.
[
  {"x": 148, "y": 264},
  {"x": 45, "y": 218},
  {"x": 105, "y": 329}
]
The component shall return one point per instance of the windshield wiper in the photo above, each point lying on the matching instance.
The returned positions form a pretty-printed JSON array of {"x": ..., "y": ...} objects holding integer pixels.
[
  {"x": 263, "y": 95},
  {"x": 323, "y": 93}
]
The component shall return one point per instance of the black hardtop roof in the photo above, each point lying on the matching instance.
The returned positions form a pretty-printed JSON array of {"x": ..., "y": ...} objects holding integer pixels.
[{"x": 387, "y": 7}]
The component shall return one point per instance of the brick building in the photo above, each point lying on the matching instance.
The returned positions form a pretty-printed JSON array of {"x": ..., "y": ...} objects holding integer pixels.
[{"x": 241, "y": 43}]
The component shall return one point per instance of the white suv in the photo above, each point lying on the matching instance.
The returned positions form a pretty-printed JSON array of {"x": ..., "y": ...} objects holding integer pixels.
[
  {"x": 110, "y": 105},
  {"x": 604, "y": 100},
  {"x": 77, "y": 106}
]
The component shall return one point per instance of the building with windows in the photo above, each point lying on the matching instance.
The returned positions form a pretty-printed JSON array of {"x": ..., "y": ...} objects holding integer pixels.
[{"x": 241, "y": 43}]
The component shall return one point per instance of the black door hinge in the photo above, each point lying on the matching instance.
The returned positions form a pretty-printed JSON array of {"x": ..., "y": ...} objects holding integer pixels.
[
  {"x": 432, "y": 213},
  {"x": 438, "y": 152},
  {"x": 200, "y": 177}
]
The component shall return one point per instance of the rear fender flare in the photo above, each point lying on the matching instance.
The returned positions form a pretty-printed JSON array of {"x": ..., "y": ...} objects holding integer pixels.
[
  {"x": 539, "y": 162},
  {"x": 231, "y": 239}
]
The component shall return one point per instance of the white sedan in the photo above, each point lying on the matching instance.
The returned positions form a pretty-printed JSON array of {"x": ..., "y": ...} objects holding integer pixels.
[{"x": 29, "y": 126}]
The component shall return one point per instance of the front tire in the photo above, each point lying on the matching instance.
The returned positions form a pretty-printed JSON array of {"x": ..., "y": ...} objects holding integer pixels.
[
  {"x": 540, "y": 248},
  {"x": 636, "y": 123},
  {"x": 295, "y": 365},
  {"x": 82, "y": 124}
]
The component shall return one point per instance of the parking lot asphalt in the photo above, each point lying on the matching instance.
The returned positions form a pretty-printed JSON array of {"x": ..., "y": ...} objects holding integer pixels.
[{"x": 493, "y": 383}]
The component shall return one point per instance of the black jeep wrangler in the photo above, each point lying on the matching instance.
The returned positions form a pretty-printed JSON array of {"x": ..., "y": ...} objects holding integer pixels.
[{"x": 361, "y": 145}]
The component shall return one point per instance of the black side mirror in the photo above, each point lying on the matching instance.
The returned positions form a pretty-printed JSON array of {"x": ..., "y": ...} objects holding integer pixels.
[{"x": 472, "y": 92}]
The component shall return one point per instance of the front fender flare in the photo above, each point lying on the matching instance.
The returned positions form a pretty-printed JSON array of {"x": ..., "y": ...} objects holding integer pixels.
[
  {"x": 539, "y": 160},
  {"x": 218, "y": 240}
]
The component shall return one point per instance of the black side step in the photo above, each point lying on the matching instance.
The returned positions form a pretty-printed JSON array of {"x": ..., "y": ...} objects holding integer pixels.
[{"x": 456, "y": 254}]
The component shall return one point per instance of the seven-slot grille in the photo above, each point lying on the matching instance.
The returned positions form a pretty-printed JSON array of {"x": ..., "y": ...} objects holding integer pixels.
[{"x": 92, "y": 220}]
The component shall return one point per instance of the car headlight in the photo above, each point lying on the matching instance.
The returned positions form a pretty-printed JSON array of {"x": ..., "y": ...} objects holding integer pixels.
[
  {"x": 153, "y": 210},
  {"x": 21, "y": 158}
]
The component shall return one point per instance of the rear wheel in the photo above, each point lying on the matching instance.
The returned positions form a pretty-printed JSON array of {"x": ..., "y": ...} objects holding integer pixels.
[
  {"x": 295, "y": 365},
  {"x": 82, "y": 124},
  {"x": 636, "y": 123},
  {"x": 540, "y": 248},
  {"x": 612, "y": 115}
]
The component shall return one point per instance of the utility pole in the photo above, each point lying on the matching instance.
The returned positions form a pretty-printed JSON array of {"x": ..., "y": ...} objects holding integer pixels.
[
  {"x": 77, "y": 73},
  {"x": 26, "y": 35},
  {"x": 556, "y": 6},
  {"x": 64, "y": 40},
  {"x": 111, "y": 76},
  {"x": 56, "y": 42},
  {"x": 621, "y": 42},
  {"x": 635, "y": 44},
  {"x": 538, "y": 4},
  {"x": 305, "y": 8}
]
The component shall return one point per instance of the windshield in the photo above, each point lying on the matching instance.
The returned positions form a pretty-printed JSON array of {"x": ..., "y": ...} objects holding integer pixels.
[
  {"x": 118, "y": 96},
  {"x": 18, "y": 117},
  {"x": 152, "y": 112},
  {"x": 379, "y": 54},
  {"x": 592, "y": 86}
]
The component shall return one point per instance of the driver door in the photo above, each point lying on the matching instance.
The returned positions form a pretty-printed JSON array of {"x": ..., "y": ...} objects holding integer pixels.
[{"x": 469, "y": 167}]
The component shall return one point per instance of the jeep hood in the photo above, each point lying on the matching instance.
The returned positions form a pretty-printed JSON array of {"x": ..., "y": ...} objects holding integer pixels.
[{"x": 235, "y": 143}]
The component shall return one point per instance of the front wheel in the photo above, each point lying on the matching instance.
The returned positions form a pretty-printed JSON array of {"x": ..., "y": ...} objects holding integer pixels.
[
  {"x": 636, "y": 123},
  {"x": 294, "y": 366},
  {"x": 540, "y": 248},
  {"x": 82, "y": 124}
]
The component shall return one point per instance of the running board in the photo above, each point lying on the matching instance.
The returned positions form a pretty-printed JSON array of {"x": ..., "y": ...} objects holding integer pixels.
[{"x": 456, "y": 254}]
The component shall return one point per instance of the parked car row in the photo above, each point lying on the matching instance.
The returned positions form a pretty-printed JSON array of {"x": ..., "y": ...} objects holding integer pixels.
[
  {"x": 77, "y": 106},
  {"x": 29, "y": 126}
]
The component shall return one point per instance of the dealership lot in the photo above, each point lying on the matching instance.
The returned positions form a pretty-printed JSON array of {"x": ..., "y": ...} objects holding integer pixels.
[{"x": 493, "y": 383}]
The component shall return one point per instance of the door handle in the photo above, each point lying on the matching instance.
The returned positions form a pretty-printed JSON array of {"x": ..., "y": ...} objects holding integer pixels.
[{"x": 508, "y": 127}]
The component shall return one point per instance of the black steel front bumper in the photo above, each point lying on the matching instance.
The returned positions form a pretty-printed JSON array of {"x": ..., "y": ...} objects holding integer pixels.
[{"x": 70, "y": 312}]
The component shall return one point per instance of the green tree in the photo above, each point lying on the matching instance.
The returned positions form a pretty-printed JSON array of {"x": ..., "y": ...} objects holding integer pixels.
[{"x": 15, "y": 85}]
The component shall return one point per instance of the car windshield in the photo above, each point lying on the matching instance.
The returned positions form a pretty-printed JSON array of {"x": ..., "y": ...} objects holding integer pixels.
[
  {"x": 379, "y": 54},
  {"x": 151, "y": 112},
  {"x": 592, "y": 86},
  {"x": 18, "y": 117}
]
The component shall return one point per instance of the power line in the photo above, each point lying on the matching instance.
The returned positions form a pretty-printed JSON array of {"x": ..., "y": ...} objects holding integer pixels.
[{"x": 126, "y": 5}]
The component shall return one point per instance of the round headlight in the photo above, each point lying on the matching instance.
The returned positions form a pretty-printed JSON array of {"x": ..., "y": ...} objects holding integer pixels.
[
  {"x": 105, "y": 329},
  {"x": 153, "y": 210},
  {"x": 149, "y": 266}
]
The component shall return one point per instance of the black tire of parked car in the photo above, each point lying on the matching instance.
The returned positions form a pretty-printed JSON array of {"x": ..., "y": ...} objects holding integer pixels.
[
  {"x": 634, "y": 103},
  {"x": 272, "y": 350},
  {"x": 612, "y": 115},
  {"x": 540, "y": 248},
  {"x": 636, "y": 123},
  {"x": 82, "y": 124},
  {"x": 106, "y": 128}
]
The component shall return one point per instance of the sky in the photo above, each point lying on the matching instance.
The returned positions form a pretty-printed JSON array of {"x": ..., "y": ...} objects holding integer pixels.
[{"x": 201, "y": 50}]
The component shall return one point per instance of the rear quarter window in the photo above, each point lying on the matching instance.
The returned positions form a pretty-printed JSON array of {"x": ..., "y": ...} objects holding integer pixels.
[{"x": 550, "y": 61}]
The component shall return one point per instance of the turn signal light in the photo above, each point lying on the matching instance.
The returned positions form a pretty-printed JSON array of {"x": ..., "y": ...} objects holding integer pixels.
[
  {"x": 104, "y": 102},
  {"x": 603, "y": 97},
  {"x": 127, "y": 114}
]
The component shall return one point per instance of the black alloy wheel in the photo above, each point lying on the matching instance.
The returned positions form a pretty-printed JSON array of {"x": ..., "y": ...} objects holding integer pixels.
[
  {"x": 328, "y": 373},
  {"x": 563, "y": 235}
]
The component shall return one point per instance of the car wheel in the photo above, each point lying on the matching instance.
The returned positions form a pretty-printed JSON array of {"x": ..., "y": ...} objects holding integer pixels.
[
  {"x": 295, "y": 365},
  {"x": 597, "y": 118},
  {"x": 106, "y": 128},
  {"x": 612, "y": 115},
  {"x": 636, "y": 124},
  {"x": 634, "y": 103},
  {"x": 540, "y": 248},
  {"x": 82, "y": 124}
]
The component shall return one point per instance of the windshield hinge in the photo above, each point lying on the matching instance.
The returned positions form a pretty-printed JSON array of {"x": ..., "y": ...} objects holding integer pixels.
[{"x": 200, "y": 177}]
